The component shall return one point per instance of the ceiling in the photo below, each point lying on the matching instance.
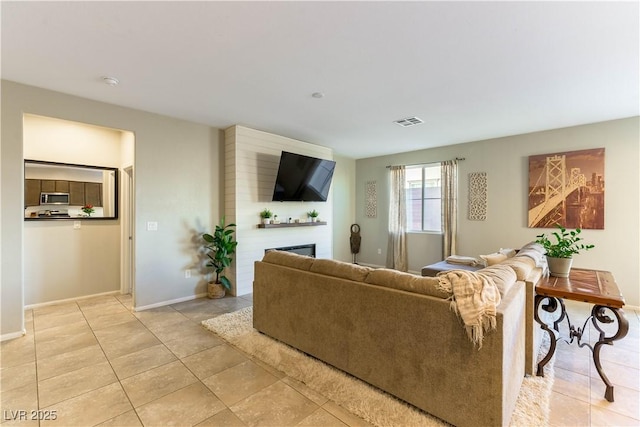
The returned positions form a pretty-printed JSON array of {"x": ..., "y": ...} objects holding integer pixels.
[{"x": 469, "y": 70}]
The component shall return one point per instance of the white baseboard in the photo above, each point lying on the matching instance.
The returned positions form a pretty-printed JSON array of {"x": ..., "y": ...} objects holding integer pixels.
[
  {"x": 145, "y": 307},
  {"x": 61, "y": 301},
  {"x": 13, "y": 335},
  {"x": 173, "y": 301}
]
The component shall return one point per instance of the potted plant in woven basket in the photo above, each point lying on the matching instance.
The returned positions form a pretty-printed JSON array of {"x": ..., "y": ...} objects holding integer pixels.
[
  {"x": 219, "y": 247},
  {"x": 560, "y": 254}
]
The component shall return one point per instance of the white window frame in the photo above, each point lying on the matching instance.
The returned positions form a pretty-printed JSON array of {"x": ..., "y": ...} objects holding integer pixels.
[{"x": 430, "y": 172}]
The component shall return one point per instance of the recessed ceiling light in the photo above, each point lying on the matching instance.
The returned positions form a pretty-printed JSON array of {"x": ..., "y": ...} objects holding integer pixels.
[
  {"x": 409, "y": 121},
  {"x": 111, "y": 81},
  {"x": 317, "y": 95}
]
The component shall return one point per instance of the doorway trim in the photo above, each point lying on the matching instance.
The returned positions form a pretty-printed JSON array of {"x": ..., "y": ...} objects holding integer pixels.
[{"x": 127, "y": 283}]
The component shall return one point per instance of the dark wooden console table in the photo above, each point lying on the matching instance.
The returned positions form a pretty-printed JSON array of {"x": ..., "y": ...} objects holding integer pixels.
[{"x": 590, "y": 286}]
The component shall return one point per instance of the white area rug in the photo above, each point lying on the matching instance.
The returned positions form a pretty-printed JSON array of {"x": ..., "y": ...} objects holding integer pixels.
[{"x": 370, "y": 403}]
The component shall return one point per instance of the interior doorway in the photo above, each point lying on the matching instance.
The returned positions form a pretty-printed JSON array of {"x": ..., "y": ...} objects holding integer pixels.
[
  {"x": 128, "y": 229},
  {"x": 69, "y": 245}
]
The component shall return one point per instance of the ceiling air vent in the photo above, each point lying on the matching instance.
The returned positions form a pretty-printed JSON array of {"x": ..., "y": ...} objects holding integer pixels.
[{"x": 409, "y": 121}]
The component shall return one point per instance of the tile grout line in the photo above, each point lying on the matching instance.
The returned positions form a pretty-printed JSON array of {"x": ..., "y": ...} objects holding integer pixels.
[
  {"x": 110, "y": 365},
  {"x": 183, "y": 364},
  {"x": 35, "y": 349},
  {"x": 35, "y": 360}
]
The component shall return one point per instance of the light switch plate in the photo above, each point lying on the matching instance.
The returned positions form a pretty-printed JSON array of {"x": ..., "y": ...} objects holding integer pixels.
[
  {"x": 152, "y": 226},
  {"x": 77, "y": 225}
]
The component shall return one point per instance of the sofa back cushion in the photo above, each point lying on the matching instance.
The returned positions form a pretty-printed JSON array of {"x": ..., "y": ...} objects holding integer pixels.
[
  {"x": 406, "y": 282},
  {"x": 502, "y": 275},
  {"x": 492, "y": 259},
  {"x": 288, "y": 259},
  {"x": 522, "y": 265},
  {"x": 344, "y": 270}
]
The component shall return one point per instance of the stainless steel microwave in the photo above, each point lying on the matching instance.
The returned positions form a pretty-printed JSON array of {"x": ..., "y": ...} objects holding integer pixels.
[{"x": 54, "y": 198}]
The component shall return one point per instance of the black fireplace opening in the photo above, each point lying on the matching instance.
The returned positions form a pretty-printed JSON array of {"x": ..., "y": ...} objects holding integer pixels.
[{"x": 308, "y": 250}]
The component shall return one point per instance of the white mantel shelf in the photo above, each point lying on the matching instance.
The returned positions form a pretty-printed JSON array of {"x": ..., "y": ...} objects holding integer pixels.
[{"x": 292, "y": 224}]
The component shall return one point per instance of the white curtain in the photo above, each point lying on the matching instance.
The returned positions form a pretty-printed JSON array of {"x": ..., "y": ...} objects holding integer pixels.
[
  {"x": 449, "y": 175},
  {"x": 397, "y": 247}
]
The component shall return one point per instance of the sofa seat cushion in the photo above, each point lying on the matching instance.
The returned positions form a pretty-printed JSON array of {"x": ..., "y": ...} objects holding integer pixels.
[
  {"x": 344, "y": 270},
  {"x": 406, "y": 282},
  {"x": 288, "y": 259}
]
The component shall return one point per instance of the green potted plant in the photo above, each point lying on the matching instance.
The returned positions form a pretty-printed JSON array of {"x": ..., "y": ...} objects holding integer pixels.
[
  {"x": 266, "y": 215},
  {"x": 219, "y": 248},
  {"x": 313, "y": 215},
  {"x": 560, "y": 254},
  {"x": 88, "y": 209}
]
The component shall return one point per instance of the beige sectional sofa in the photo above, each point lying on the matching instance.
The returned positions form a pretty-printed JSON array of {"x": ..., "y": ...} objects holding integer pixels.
[{"x": 397, "y": 332}]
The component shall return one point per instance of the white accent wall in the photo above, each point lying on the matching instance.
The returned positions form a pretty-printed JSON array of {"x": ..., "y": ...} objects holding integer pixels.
[{"x": 251, "y": 165}]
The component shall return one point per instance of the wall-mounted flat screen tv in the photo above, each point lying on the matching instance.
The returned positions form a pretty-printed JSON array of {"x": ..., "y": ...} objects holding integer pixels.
[{"x": 303, "y": 178}]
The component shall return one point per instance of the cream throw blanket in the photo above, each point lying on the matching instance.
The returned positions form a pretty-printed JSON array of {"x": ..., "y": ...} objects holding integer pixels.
[{"x": 475, "y": 298}]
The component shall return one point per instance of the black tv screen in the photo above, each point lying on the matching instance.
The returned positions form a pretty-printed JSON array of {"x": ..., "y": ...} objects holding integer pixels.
[{"x": 303, "y": 178}]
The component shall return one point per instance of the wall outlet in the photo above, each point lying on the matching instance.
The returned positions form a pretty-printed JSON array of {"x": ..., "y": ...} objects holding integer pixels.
[
  {"x": 187, "y": 274},
  {"x": 152, "y": 226},
  {"x": 379, "y": 251},
  {"x": 77, "y": 225}
]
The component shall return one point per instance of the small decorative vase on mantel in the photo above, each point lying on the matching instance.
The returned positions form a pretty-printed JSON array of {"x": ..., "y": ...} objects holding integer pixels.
[{"x": 559, "y": 267}]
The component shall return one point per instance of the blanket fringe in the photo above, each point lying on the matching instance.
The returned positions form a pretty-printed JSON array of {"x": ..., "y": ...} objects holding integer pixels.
[
  {"x": 476, "y": 332},
  {"x": 474, "y": 298}
]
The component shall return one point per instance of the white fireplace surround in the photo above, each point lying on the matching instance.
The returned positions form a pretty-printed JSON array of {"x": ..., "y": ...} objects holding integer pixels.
[{"x": 251, "y": 165}]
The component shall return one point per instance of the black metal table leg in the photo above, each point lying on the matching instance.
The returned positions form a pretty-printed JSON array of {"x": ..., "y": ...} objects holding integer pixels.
[
  {"x": 598, "y": 315},
  {"x": 551, "y": 306}
]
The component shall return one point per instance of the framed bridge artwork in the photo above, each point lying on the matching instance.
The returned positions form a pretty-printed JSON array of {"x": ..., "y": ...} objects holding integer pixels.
[{"x": 567, "y": 189}]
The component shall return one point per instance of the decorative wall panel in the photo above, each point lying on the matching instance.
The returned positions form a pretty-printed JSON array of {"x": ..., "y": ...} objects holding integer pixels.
[
  {"x": 371, "y": 202},
  {"x": 478, "y": 196}
]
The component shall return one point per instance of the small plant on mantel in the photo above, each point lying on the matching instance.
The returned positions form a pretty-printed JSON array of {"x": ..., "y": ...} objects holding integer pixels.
[
  {"x": 313, "y": 215},
  {"x": 266, "y": 215}
]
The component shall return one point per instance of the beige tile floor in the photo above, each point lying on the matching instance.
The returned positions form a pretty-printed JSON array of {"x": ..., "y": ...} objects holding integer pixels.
[{"x": 94, "y": 362}]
